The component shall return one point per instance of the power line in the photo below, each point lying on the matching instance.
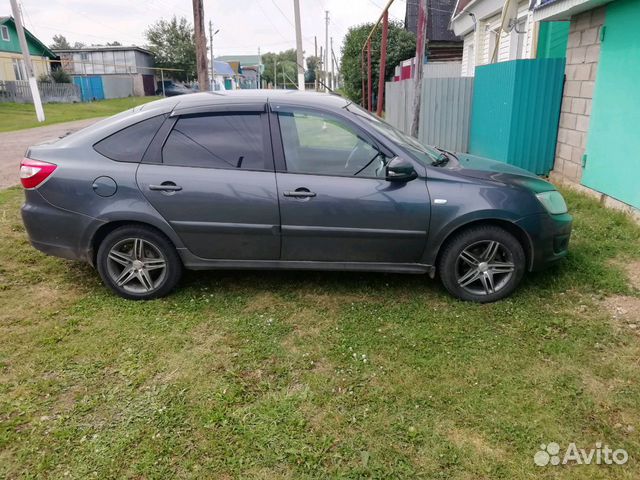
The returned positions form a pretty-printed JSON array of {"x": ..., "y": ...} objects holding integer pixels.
[{"x": 282, "y": 13}]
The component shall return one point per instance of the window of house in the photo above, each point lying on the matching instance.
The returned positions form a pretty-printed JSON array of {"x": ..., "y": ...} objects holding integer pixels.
[
  {"x": 4, "y": 33},
  {"x": 18, "y": 69},
  {"x": 129, "y": 144},
  {"x": 322, "y": 144},
  {"x": 217, "y": 141}
]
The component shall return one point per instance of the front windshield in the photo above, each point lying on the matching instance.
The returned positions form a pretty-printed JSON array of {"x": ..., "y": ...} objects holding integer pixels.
[{"x": 424, "y": 153}]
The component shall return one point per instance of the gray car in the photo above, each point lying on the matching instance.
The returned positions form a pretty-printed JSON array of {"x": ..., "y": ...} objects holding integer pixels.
[{"x": 283, "y": 180}]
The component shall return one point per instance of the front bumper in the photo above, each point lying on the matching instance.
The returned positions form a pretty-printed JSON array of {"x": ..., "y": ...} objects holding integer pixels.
[
  {"x": 53, "y": 230},
  {"x": 549, "y": 236}
]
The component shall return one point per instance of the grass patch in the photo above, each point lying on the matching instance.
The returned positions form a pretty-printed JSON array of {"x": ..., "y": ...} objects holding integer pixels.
[
  {"x": 17, "y": 116},
  {"x": 315, "y": 375}
]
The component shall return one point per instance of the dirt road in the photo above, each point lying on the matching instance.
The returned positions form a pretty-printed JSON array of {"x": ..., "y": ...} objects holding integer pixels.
[{"x": 14, "y": 144}]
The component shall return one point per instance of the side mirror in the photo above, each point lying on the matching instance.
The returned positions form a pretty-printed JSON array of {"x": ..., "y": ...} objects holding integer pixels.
[{"x": 400, "y": 170}]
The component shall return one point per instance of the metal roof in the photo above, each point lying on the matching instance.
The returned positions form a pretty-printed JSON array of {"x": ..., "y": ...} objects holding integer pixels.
[
  {"x": 243, "y": 59},
  {"x": 105, "y": 48},
  {"x": 30, "y": 36}
]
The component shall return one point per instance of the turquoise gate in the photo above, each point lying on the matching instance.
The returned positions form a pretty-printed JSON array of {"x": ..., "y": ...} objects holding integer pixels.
[
  {"x": 515, "y": 112},
  {"x": 90, "y": 87}
]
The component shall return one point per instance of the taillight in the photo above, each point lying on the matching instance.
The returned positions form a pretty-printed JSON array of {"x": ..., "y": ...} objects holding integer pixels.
[{"x": 34, "y": 172}]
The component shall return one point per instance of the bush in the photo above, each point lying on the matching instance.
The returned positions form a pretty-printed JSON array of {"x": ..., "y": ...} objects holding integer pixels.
[
  {"x": 44, "y": 78},
  {"x": 60, "y": 76}
]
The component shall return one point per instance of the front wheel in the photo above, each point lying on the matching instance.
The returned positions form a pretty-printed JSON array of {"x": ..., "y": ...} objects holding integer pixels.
[
  {"x": 482, "y": 264},
  {"x": 138, "y": 263}
]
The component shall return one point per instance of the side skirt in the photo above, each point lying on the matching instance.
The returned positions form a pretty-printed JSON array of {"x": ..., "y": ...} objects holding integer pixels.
[{"x": 192, "y": 262}]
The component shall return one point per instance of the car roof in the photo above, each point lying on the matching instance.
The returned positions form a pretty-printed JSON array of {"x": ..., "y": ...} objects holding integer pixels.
[
  {"x": 244, "y": 96},
  {"x": 184, "y": 103}
]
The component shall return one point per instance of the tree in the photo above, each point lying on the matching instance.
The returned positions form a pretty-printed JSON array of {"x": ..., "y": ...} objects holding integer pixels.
[
  {"x": 172, "y": 43},
  {"x": 79, "y": 45},
  {"x": 114, "y": 44},
  {"x": 312, "y": 67},
  {"x": 401, "y": 45},
  {"x": 286, "y": 60},
  {"x": 60, "y": 42}
]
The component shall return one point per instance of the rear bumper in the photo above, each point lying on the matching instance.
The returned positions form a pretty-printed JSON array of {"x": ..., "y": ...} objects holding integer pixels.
[
  {"x": 549, "y": 235},
  {"x": 55, "y": 231}
]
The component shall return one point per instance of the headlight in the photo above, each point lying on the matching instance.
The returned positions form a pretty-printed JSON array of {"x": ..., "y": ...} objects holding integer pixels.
[{"x": 553, "y": 202}]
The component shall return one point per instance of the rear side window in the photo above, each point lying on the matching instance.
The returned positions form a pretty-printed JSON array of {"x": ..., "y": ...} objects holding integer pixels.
[
  {"x": 217, "y": 141},
  {"x": 129, "y": 144}
]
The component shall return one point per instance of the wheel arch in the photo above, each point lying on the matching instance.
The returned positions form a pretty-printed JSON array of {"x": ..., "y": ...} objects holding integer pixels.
[
  {"x": 520, "y": 234},
  {"x": 106, "y": 228}
]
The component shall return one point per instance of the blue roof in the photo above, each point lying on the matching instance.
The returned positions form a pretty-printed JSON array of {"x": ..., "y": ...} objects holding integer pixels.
[{"x": 223, "y": 68}]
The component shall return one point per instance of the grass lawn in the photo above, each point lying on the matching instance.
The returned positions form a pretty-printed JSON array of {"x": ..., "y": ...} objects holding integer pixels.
[
  {"x": 17, "y": 116},
  {"x": 316, "y": 375}
]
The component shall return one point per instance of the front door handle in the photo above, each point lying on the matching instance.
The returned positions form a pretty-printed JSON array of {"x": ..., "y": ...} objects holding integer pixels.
[
  {"x": 165, "y": 187},
  {"x": 300, "y": 193}
]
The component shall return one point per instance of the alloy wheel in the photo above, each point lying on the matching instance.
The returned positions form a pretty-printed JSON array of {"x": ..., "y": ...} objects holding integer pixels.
[
  {"x": 136, "y": 265},
  {"x": 484, "y": 268}
]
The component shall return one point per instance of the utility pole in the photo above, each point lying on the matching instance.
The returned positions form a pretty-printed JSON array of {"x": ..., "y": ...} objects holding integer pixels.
[
  {"x": 300, "y": 54},
  {"x": 317, "y": 70},
  {"x": 275, "y": 73},
  {"x": 213, "y": 69},
  {"x": 259, "y": 70},
  {"x": 326, "y": 49},
  {"x": 321, "y": 83},
  {"x": 28, "y": 66},
  {"x": 201, "y": 45},
  {"x": 333, "y": 72},
  {"x": 419, "y": 66}
]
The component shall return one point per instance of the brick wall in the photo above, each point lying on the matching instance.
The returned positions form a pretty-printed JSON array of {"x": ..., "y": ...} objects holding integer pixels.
[{"x": 583, "y": 53}]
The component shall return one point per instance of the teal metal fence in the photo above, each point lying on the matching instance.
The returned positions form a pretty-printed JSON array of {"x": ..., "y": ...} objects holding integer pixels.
[{"x": 515, "y": 112}]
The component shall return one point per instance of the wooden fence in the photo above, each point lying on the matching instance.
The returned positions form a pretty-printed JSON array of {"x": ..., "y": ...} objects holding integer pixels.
[{"x": 19, "y": 92}]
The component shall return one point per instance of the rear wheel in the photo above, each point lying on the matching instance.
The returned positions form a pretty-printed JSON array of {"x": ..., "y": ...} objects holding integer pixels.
[
  {"x": 482, "y": 264},
  {"x": 138, "y": 263}
]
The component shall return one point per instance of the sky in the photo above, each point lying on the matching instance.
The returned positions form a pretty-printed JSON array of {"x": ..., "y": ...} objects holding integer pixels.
[{"x": 244, "y": 25}]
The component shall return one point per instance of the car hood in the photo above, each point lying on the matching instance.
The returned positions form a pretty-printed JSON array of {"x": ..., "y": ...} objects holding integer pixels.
[{"x": 473, "y": 166}]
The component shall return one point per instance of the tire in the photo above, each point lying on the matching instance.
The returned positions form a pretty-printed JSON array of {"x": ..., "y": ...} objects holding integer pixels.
[
  {"x": 138, "y": 263},
  {"x": 482, "y": 264}
]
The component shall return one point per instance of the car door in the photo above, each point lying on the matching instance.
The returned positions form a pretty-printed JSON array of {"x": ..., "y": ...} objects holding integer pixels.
[
  {"x": 335, "y": 203},
  {"x": 210, "y": 175}
]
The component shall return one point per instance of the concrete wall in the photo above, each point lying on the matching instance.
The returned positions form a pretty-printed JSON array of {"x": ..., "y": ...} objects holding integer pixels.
[{"x": 583, "y": 54}]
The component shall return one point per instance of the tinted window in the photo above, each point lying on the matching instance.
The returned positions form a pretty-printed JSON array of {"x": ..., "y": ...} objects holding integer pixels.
[
  {"x": 217, "y": 141},
  {"x": 129, "y": 145},
  {"x": 323, "y": 144}
]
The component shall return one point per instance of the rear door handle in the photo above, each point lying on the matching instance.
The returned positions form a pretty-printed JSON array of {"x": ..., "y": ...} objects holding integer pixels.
[
  {"x": 166, "y": 187},
  {"x": 300, "y": 194}
]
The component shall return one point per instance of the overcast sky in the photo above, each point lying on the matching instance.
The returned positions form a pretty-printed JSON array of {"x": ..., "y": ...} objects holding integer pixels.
[{"x": 244, "y": 25}]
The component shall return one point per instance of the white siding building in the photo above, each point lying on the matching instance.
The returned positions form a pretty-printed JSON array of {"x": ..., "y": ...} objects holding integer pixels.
[{"x": 478, "y": 22}]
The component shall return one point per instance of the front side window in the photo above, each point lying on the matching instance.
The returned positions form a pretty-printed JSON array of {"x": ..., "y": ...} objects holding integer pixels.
[
  {"x": 217, "y": 141},
  {"x": 318, "y": 143},
  {"x": 4, "y": 33}
]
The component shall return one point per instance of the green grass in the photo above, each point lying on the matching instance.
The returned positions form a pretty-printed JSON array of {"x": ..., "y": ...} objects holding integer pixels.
[
  {"x": 17, "y": 116},
  {"x": 316, "y": 375}
]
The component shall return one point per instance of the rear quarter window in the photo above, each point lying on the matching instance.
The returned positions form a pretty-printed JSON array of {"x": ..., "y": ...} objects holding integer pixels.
[{"x": 130, "y": 143}]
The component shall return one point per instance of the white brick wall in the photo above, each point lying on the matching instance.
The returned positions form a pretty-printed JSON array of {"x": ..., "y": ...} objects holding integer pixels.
[{"x": 583, "y": 54}]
